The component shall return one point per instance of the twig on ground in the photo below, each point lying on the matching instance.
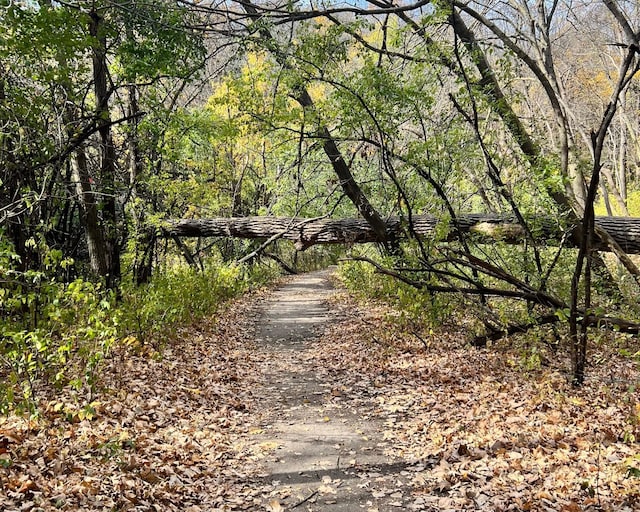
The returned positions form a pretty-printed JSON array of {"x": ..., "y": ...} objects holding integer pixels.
[
  {"x": 426, "y": 345},
  {"x": 305, "y": 500}
]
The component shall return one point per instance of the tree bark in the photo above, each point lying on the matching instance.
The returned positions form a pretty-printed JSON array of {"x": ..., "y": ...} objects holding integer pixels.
[
  {"x": 349, "y": 185},
  {"x": 107, "y": 149},
  {"x": 625, "y": 231},
  {"x": 90, "y": 216}
]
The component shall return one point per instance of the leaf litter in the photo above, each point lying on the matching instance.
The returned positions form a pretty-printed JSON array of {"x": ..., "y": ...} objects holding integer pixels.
[
  {"x": 164, "y": 433},
  {"x": 184, "y": 430},
  {"x": 481, "y": 433}
]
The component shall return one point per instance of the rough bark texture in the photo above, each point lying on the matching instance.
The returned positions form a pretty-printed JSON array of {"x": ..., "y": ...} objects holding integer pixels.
[
  {"x": 107, "y": 148},
  {"x": 624, "y": 230},
  {"x": 93, "y": 229}
]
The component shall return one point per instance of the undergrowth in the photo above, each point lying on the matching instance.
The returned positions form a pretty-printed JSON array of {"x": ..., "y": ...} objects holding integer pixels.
[
  {"x": 180, "y": 296},
  {"x": 414, "y": 307},
  {"x": 56, "y": 334}
]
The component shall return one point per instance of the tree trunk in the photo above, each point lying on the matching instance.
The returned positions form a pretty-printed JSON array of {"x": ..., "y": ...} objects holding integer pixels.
[
  {"x": 89, "y": 210},
  {"x": 305, "y": 233},
  {"x": 107, "y": 149}
]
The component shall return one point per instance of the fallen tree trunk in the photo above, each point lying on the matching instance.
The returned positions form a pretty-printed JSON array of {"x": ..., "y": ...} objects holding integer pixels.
[{"x": 306, "y": 232}]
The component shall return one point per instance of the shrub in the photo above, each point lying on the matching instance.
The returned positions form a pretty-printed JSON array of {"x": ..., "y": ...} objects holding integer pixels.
[
  {"x": 180, "y": 295},
  {"x": 55, "y": 334},
  {"x": 52, "y": 334},
  {"x": 415, "y": 306}
]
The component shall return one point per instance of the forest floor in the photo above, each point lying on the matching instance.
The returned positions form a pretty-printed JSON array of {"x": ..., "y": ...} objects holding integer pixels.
[{"x": 304, "y": 399}]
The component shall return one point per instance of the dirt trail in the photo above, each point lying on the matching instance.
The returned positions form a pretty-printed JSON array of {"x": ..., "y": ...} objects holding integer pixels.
[
  {"x": 328, "y": 451},
  {"x": 296, "y": 400}
]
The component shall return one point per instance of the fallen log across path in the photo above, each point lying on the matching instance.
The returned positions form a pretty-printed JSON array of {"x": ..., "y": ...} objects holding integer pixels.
[{"x": 307, "y": 232}]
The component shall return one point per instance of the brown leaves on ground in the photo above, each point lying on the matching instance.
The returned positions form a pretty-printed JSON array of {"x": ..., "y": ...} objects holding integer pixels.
[
  {"x": 477, "y": 431},
  {"x": 161, "y": 436},
  {"x": 485, "y": 431}
]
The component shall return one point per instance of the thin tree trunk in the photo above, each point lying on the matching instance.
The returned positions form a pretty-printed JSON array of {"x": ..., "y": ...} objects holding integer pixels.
[
  {"x": 621, "y": 175},
  {"x": 107, "y": 150},
  {"x": 615, "y": 191},
  {"x": 605, "y": 198},
  {"x": 135, "y": 159},
  {"x": 89, "y": 211},
  {"x": 144, "y": 244}
]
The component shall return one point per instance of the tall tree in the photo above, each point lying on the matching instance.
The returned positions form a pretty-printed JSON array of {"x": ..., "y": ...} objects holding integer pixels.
[{"x": 70, "y": 65}]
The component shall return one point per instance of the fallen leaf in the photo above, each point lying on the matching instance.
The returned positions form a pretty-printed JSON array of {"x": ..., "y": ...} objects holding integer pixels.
[{"x": 274, "y": 506}]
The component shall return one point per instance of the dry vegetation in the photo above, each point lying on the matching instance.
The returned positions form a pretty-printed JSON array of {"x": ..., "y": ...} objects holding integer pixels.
[{"x": 499, "y": 428}]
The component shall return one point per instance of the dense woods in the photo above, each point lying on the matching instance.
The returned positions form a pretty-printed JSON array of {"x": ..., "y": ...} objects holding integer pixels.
[
  {"x": 472, "y": 168},
  {"x": 123, "y": 123}
]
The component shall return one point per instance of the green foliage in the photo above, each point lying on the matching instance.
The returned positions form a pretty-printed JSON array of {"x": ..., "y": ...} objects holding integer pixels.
[
  {"x": 41, "y": 53},
  {"x": 46, "y": 39},
  {"x": 433, "y": 309},
  {"x": 250, "y": 149},
  {"x": 180, "y": 296},
  {"x": 632, "y": 469},
  {"x": 56, "y": 334},
  {"x": 415, "y": 306},
  {"x": 155, "y": 42}
]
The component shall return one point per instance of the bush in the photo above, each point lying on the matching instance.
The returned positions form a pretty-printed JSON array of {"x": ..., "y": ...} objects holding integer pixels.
[
  {"x": 55, "y": 335},
  {"x": 415, "y": 306},
  {"x": 52, "y": 334},
  {"x": 180, "y": 295}
]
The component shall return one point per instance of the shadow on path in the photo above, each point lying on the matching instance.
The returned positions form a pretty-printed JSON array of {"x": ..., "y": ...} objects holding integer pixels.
[{"x": 325, "y": 452}]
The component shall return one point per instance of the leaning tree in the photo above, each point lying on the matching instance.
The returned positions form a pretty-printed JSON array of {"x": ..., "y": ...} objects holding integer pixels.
[{"x": 450, "y": 108}]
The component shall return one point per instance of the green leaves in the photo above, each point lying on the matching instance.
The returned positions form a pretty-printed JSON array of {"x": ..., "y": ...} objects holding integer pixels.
[
  {"x": 72, "y": 328},
  {"x": 155, "y": 41},
  {"x": 180, "y": 296}
]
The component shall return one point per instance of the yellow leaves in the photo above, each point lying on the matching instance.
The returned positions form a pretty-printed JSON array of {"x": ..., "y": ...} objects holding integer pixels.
[
  {"x": 590, "y": 86},
  {"x": 268, "y": 446},
  {"x": 317, "y": 91},
  {"x": 74, "y": 413},
  {"x": 254, "y": 61},
  {"x": 226, "y": 98},
  {"x": 375, "y": 36},
  {"x": 577, "y": 401},
  {"x": 129, "y": 341}
]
